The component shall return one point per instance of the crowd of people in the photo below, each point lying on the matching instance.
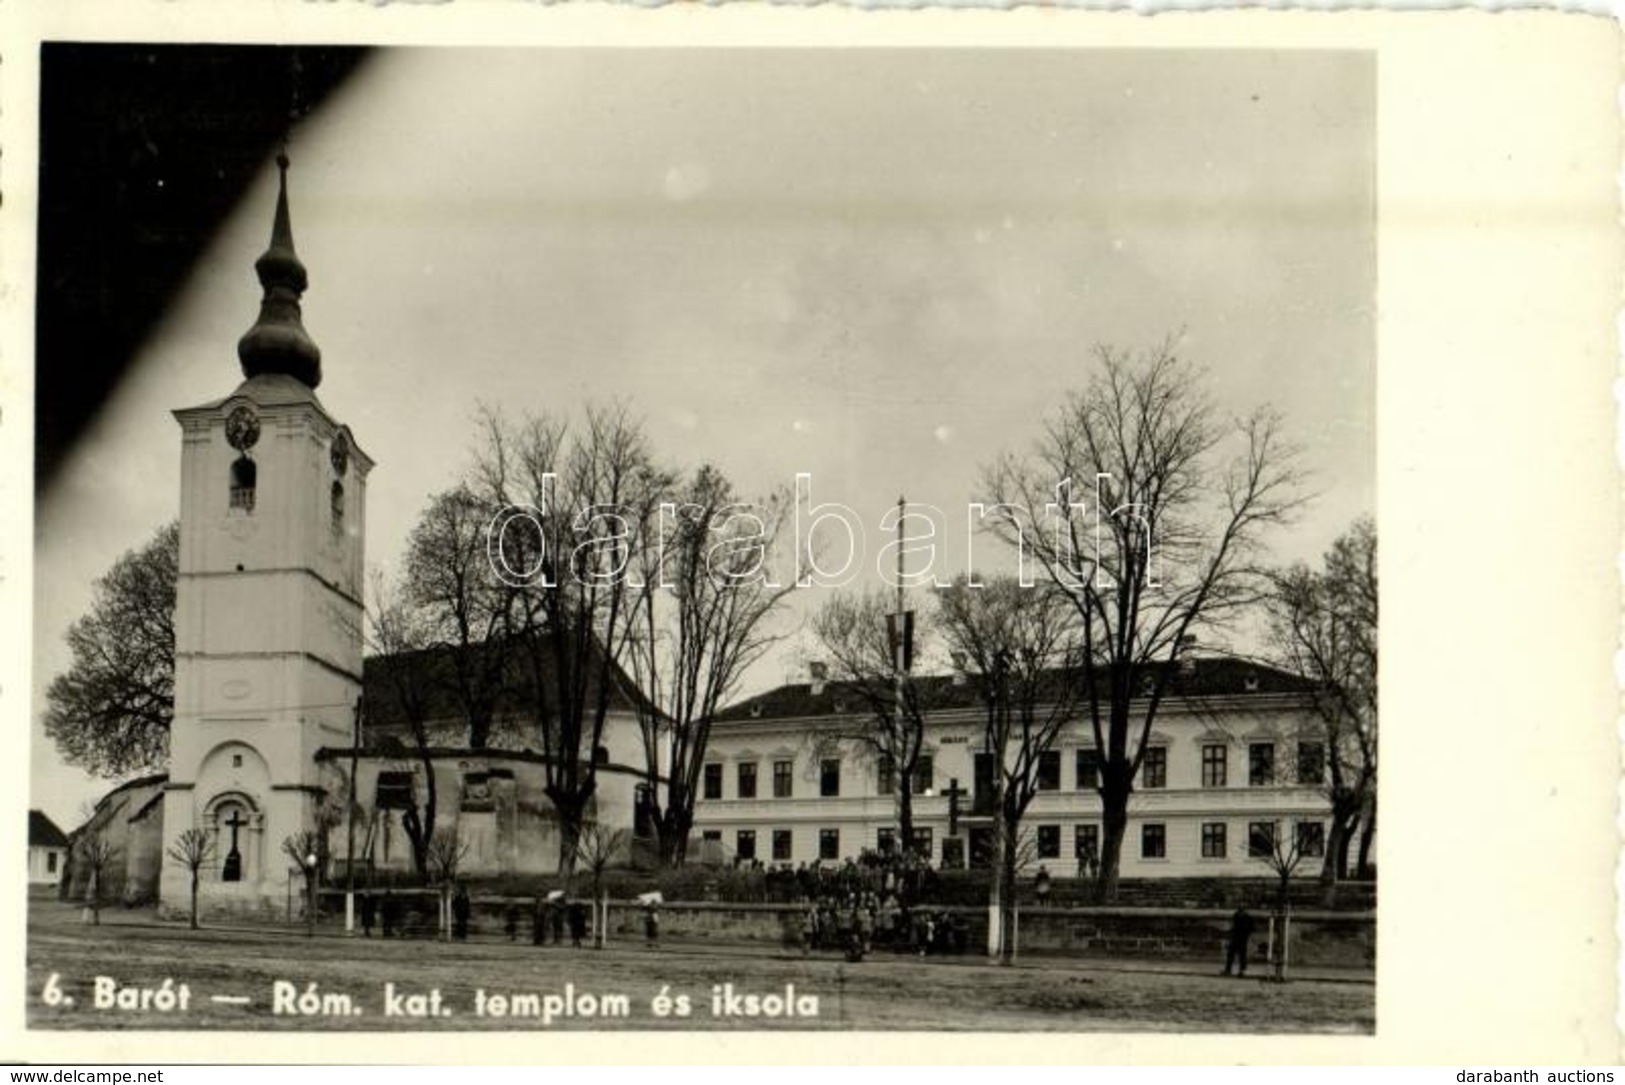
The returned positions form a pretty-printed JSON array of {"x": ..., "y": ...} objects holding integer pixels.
[
  {"x": 879, "y": 899},
  {"x": 860, "y": 922},
  {"x": 750, "y": 881}
]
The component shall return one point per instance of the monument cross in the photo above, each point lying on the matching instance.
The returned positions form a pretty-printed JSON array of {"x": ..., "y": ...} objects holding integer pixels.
[
  {"x": 234, "y": 859},
  {"x": 953, "y": 791}
]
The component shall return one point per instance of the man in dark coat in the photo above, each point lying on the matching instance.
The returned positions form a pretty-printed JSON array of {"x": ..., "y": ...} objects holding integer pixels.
[
  {"x": 578, "y": 923},
  {"x": 558, "y": 907},
  {"x": 459, "y": 914},
  {"x": 1241, "y": 932},
  {"x": 369, "y": 913}
]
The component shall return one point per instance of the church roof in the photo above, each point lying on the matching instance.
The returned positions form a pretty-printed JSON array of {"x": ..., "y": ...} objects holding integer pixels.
[
  {"x": 266, "y": 390},
  {"x": 43, "y": 833},
  {"x": 1213, "y": 677},
  {"x": 381, "y": 688}
]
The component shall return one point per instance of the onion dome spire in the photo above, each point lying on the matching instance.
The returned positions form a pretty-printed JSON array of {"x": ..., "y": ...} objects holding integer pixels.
[{"x": 278, "y": 342}]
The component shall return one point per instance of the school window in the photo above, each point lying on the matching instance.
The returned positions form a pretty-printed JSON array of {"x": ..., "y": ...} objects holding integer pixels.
[
  {"x": 712, "y": 835},
  {"x": 1085, "y": 841},
  {"x": 50, "y": 862},
  {"x": 1154, "y": 769},
  {"x": 829, "y": 843},
  {"x": 1311, "y": 839},
  {"x": 1215, "y": 766},
  {"x": 745, "y": 844},
  {"x": 782, "y": 787},
  {"x": 1260, "y": 839},
  {"x": 982, "y": 778},
  {"x": 924, "y": 774},
  {"x": 1261, "y": 764},
  {"x": 1213, "y": 841},
  {"x": 922, "y": 843},
  {"x": 747, "y": 779},
  {"x": 1153, "y": 841},
  {"x": 781, "y": 845},
  {"x": 885, "y": 776},
  {"x": 829, "y": 777},
  {"x": 1088, "y": 769},
  {"x": 1311, "y": 762},
  {"x": 1049, "y": 841},
  {"x": 886, "y": 841},
  {"x": 713, "y": 782},
  {"x": 1049, "y": 770}
]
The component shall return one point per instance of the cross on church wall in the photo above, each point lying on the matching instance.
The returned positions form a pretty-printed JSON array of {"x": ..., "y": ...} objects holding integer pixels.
[{"x": 236, "y": 821}]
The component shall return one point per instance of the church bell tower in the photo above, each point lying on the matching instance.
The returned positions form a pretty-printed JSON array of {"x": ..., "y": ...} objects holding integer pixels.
[{"x": 268, "y": 623}]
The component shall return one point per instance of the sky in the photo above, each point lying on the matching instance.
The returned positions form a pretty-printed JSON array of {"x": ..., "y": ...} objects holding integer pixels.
[{"x": 879, "y": 267}]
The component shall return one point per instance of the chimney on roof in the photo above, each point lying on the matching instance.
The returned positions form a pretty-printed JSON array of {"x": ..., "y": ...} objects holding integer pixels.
[
  {"x": 1187, "y": 660},
  {"x": 818, "y": 671},
  {"x": 960, "y": 664}
]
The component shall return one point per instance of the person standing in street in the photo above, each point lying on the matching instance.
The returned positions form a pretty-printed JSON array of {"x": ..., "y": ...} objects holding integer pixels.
[{"x": 1241, "y": 933}]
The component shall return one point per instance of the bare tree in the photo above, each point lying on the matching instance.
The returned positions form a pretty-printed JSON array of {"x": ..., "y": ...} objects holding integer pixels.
[
  {"x": 94, "y": 854},
  {"x": 1022, "y": 645},
  {"x": 462, "y": 605},
  {"x": 858, "y": 654},
  {"x": 191, "y": 850},
  {"x": 110, "y": 712},
  {"x": 1169, "y": 548},
  {"x": 703, "y": 622},
  {"x": 597, "y": 848},
  {"x": 400, "y": 634},
  {"x": 1324, "y": 627},
  {"x": 329, "y": 814},
  {"x": 304, "y": 850},
  {"x": 447, "y": 850},
  {"x": 1282, "y": 853},
  {"x": 576, "y": 510}
]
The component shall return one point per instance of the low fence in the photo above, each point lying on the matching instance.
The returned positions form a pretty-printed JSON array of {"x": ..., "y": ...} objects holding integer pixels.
[
  {"x": 964, "y": 888},
  {"x": 1319, "y": 938}
]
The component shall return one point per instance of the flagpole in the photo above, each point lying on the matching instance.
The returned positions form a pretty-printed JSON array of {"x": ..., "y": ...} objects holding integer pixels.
[
  {"x": 898, "y": 650},
  {"x": 350, "y": 801}
]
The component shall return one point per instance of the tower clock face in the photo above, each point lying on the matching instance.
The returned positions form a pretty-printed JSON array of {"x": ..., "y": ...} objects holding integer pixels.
[
  {"x": 242, "y": 429},
  {"x": 340, "y": 454}
]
